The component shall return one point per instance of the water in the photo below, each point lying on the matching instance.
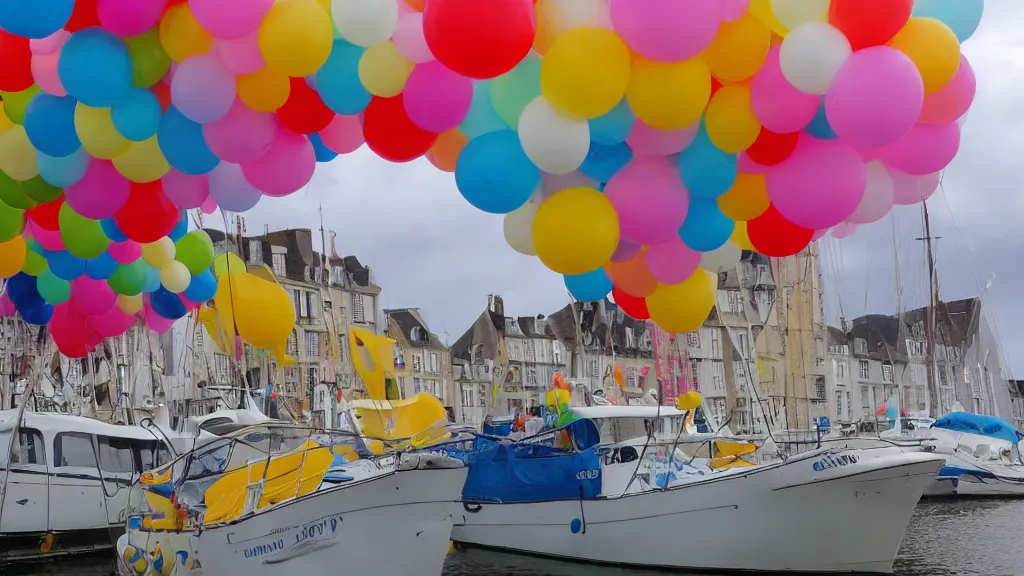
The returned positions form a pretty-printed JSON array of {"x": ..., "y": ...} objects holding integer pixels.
[{"x": 945, "y": 538}]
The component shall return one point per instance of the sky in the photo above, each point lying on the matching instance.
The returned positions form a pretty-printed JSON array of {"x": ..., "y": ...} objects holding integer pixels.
[{"x": 429, "y": 249}]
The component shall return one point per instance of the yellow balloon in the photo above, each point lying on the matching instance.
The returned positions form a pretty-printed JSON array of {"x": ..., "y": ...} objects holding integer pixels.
[
  {"x": 296, "y": 37},
  {"x": 17, "y": 155},
  {"x": 762, "y": 10},
  {"x": 143, "y": 162},
  {"x": 933, "y": 48},
  {"x": 95, "y": 128},
  {"x": 260, "y": 310},
  {"x": 669, "y": 96},
  {"x": 383, "y": 70},
  {"x": 265, "y": 90},
  {"x": 682, "y": 307},
  {"x": 12, "y": 256},
  {"x": 181, "y": 35},
  {"x": 739, "y": 50},
  {"x": 175, "y": 277},
  {"x": 689, "y": 401},
  {"x": 594, "y": 226},
  {"x": 5, "y": 122},
  {"x": 586, "y": 71},
  {"x": 793, "y": 13},
  {"x": 747, "y": 199},
  {"x": 730, "y": 120},
  {"x": 739, "y": 236},
  {"x": 160, "y": 253},
  {"x": 228, "y": 261},
  {"x": 129, "y": 304}
]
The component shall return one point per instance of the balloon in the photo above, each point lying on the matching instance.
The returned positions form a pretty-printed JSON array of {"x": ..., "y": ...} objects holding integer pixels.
[
  {"x": 669, "y": 96},
  {"x": 706, "y": 171},
  {"x": 586, "y": 72},
  {"x": 50, "y": 125},
  {"x": 231, "y": 190},
  {"x": 175, "y": 277},
  {"x": 383, "y": 71},
  {"x": 391, "y": 134},
  {"x": 625, "y": 251},
  {"x": 323, "y": 153},
  {"x": 203, "y": 89},
  {"x": 202, "y": 287},
  {"x": 167, "y": 305},
  {"x": 444, "y": 154},
  {"x": 129, "y": 17},
  {"x": 343, "y": 135},
  {"x": 613, "y": 127},
  {"x": 706, "y": 227},
  {"x": 950, "y": 102},
  {"x": 129, "y": 304},
  {"x": 647, "y": 141},
  {"x": 819, "y": 126},
  {"x": 770, "y": 148},
  {"x": 195, "y": 251},
  {"x": 793, "y": 13},
  {"x": 682, "y": 307},
  {"x": 143, "y": 162},
  {"x": 17, "y": 156},
  {"x": 125, "y": 252},
  {"x": 148, "y": 215},
  {"x": 113, "y": 323},
  {"x": 35, "y": 19},
  {"x": 746, "y": 200},
  {"x": 230, "y": 18},
  {"x": 476, "y": 39},
  {"x": 48, "y": 240},
  {"x": 99, "y": 136},
  {"x": 45, "y": 73},
  {"x": 101, "y": 267},
  {"x": 242, "y": 135},
  {"x": 927, "y": 148},
  {"x": 435, "y": 98},
  {"x": 181, "y": 141},
  {"x": 62, "y": 172},
  {"x": 365, "y": 22},
  {"x": 303, "y": 113},
  {"x": 632, "y": 276},
  {"x": 296, "y": 37},
  {"x": 817, "y": 167},
  {"x": 721, "y": 259},
  {"x": 481, "y": 117},
  {"x": 137, "y": 116},
  {"x": 603, "y": 162},
  {"x": 286, "y": 167},
  {"x": 150, "y": 62},
  {"x": 812, "y": 54},
  {"x": 511, "y": 92},
  {"x": 54, "y": 290},
  {"x": 95, "y": 68},
  {"x": 44, "y": 215},
  {"x": 92, "y": 297},
  {"x": 180, "y": 229},
  {"x": 266, "y": 90},
  {"x": 129, "y": 279},
  {"x": 740, "y": 48},
  {"x": 100, "y": 193},
  {"x": 553, "y": 142},
  {"x": 409, "y": 38},
  {"x": 633, "y": 306},
  {"x": 730, "y": 121},
  {"x": 665, "y": 30},
  {"x": 240, "y": 55},
  {"x": 672, "y": 261},
  {"x": 869, "y": 22},
  {"x": 555, "y": 17},
  {"x": 12, "y": 256},
  {"x": 595, "y": 233},
  {"x": 551, "y": 183},
  {"x": 773, "y": 235},
  {"x": 518, "y": 228},
  {"x": 83, "y": 237},
  {"x": 158, "y": 254},
  {"x": 152, "y": 281},
  {"x": 875, "y": 98},
  {"x": 650, "y": 200},
  {"x": 50, "y": 44},
  {"x": 776, "y": 103},
  {"x": 338, "y": 80},
  {"x": 494, "y": 174},
  {"x": 589, "y": 286},
  {"x": 933, "y": 48},
  {"x": 878, "y": 195},
  {"x": 962, "y": 16}
]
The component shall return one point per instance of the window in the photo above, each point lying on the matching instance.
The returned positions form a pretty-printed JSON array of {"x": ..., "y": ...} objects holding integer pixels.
[
  {"x": 255, "y": 252},
  {"x": 70, "y": 449},
  {"x": 115, "y": 455},
  {"x": 865, "y": 370},
  {"x": 433, "y": 363},
  {"x": 557, "y": 352},
  {"x": 312, "y": 344},
  {"x": 358, "y": 314},
  {"x": 715, "y": 351},
  {"x": 839, "y": 403},
  {"x": 293, "y": 344},
  {"x": 735, "y": 302},
  {"x": 531, "y": 376},
  {"x": 693, "y": 339},
  {"x": 311, "y": 376},
  {"x": 849, "y": 401},
  {"x": 741, "y": 338},
  {"x": 417, "y": 363},
  {"x": 943, "y": 378},
  {"x": 840, "y": 369},
  {"x": 593, "y": 371},
  {"x": 694, "y": 373},
  {"x": 718, "y": 381},
  {"x": 819, "y": 387},
  {"x": 865, "y": 398},
  {"x": 467, "y": 397},
  {"x": 417, "y": 387},
  {"x": 221, "y": 365},
  {"x": 967, "y": 375},
  {"x": 862, "y": 346},
  {"x": 150, "y": 454},
  {"x": 887, "y": 372},
  {"x": 278, "y": 264},
  {"x": 631, "y": 377},
  {"x": 30, "y": 448}
]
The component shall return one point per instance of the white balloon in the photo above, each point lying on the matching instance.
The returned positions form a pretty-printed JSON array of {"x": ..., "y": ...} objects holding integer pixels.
[
  {"x": 365, "y": 22},
  {"x": 794, "y": 13},
  {"x": 553, "y": 142},
  {"x": 843, "y": 230},
  {"x": 560, "y": 16},
  {"x": 878, "y": 196},
  {"x": 812, "y": 54},
  {"x": 721, "y": 259},
  {"x": 519, "y": 228},
  {"x": 908, "y": 189}
]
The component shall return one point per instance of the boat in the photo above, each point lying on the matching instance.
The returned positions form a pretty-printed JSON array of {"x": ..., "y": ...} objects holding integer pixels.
[
  {"x": 982, "y": 455},
  {"x": 695, "y": 501}
]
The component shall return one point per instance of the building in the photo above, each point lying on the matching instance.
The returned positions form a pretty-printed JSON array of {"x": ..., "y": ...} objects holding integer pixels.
[
  {"x": 422, "y": 362},
  {"x": 1016, "y": 391}
]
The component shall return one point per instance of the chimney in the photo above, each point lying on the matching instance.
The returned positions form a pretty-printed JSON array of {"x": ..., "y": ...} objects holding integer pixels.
[
  {"x": 499, "y": 306},
  {"x": 843, "y": 324}
]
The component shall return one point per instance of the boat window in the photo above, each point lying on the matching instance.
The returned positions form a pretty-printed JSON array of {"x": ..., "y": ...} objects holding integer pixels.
[
  {"x": 73, "y": 449},
  {"x": 29, "y": 449},
  {"x": 116, "y": 455},
  {"x": 150, "y": 454}
]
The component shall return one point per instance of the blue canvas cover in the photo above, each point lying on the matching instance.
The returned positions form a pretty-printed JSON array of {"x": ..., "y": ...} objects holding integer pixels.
[
  {"x": 977, "y": 424},
  {"x": 524, "y": 472}
]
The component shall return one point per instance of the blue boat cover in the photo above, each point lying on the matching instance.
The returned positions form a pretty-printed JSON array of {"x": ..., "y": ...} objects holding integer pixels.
[
  {"x": 977, "y": 424},
  {"x": 523, "y": 472},
  {"x": 498, "y": 429}
]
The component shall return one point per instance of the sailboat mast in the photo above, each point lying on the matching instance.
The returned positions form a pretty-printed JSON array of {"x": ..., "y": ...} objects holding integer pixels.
[{"x": 933, "y": 294}]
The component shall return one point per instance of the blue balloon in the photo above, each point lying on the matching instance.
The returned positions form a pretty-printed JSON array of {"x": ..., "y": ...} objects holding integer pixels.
[
  {"x": 202, "y": 287},
  {"x": 62, "y": 172},
  {"x": 181, "y": 141},
  {"x": 705, "y": 227},
  {"x": 819, "y": 126},
  {"x": 180, "y": 229},
  {"x": 707, "y": 172},
  {"x": 35, "y": 19},
  {"x": 95, "y": 68},
  {"x": 494, "y": 174},
  {"x": 64, "y": 265},
  {"x": 481, "y": 117},
  {"x": 613, "y": 127},
  {"x": 603, "y": 161},
  {"x": 152, "y": 280},
  {"x": 962, "y": 16},
  {"x": 589, "y": 286},
  {"x": 137, "y": 117},
  {"x": 50, "y": 124},
  {"x": 111, "y": 231},
  {"x": 101, "y": 267},
  {"x": 338, "y": 81},
  {"x": 167, "y": 304},
  {"x": 21, "y": 289},
  {"x": 38, "y": 315},
  {"x": 323, "y": 153}
]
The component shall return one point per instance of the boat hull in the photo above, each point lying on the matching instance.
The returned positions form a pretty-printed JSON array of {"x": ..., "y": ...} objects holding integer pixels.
[{"x": 784, "y": 517}]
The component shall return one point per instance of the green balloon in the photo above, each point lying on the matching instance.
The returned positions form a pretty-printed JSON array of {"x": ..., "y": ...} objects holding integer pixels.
[
  {"x": 35, "y": 263},
  {"x": 12, "y": 194},
  {"x": 82, "y": 237},
  {"x": 511, "y": 92},
  {"x": 12, "y": 222},
  {"x": 16, "y": 102},
  {"x": 150, "y": 62},
  {"x": 40, "y": 190},
  {"x": 129, "y": 279},
  {"x": 195, "y": 251},
  {"x": 54, "y": 290}
]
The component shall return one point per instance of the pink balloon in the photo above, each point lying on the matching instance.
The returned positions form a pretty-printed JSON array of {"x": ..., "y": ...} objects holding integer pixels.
[
  {"x": 92, "y": 297},
  {"x": 927, "y": 148},
  {"x": 818, "y": 234},
  {"x": 203, "y": 89},
  {"x": 209, "y": 206},
  {"x": 189, "y": 305},
  {"x": 625, "y": 251},
  {"x": 875, "y": 98},
  {"x": 646, "y": 141},
  {"x": 877, "y": 200},
  {"x": 776, "y": 104},
  {"x": 229, "y": 18},
  {"x": 409, "y": 38},
  {"x": 435, "y": 98},
  {"x": 843, "y": 230},
  {"x": 950, "y": 102},
  {"x": 112, "y": 323},
  {"x": 650, "y": 199},
  {"x": 7, "y": 308},
  {"x": 287, "y": 166},
  {"x": 48, "y": 239},
  {"x": 733, "y": 10},
  {"x": 673, "y": 261},
  {"x": 231, "y": 191},
  {"x": 100, "y": 193},
  {"x": 185, "y": 190},
  {"x": 72, "y": 331},
  {"x": 242, "y": 135},
  {"x": 747, "y": 166},
  {"x": 125, "y": 252},
  {"x": 907, "y": 189},
  {"x": 129, "y": 17},
  {"x": 44, "y": 71},
  {"x": 50, "y": 44},
  {"x": 151, "y": 319},
  {"x": 666, "y": 30},
  {"x": 343, "y": 135},
  {"x": 819, "y": 185},
  {"x": 240, "y": 55}
]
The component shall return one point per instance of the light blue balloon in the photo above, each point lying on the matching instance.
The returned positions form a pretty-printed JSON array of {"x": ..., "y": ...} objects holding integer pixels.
[
  {"x": 181, "y": 141},
  {"x": 962, "y": 16},
  {"x": 589, "y": 286},
  {"x": 819, "y": 126},
  {"x": 95, "y": 68},
  {"x": 50, "y": 124},
  {"x": 180, "y": 229},
  {"x": 323, "y": 153},
  {"x": 707, "y": 172},
  {"x": 35, "y": 19},
  {"x": 64, "y": 265},
  {"x": 513, "y": 91},
  {"x": 613, "y": 127},
  {"x": 101, "y": 267},
  {"x": 202, "y": 287},
  {"x": 152, "y": 280},
  {"x": 603, "y": 161},
  {"x": 494, "y": 174},
  {"x": 481, "y": 118},
  {"x": 62, "y": 172},
  {"x": 705, "y": 228},
  {"x": 111, "y": 231},
  {"x": 137, "y": 116},
  {"x": 338, "y": 80}
]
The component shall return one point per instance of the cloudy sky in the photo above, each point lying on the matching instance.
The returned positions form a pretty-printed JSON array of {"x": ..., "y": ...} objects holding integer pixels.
[{"x": 430, "y": 249}]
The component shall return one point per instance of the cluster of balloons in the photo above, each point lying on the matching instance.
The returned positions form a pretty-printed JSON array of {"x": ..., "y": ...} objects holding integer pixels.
[{"x": 633, "y": 145}]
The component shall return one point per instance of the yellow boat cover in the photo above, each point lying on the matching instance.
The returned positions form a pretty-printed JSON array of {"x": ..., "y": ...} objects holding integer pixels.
[{"x": 422, "y": 418}]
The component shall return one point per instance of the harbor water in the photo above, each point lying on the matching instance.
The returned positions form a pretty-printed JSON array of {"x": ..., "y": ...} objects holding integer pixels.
[{"x": 946, "y": 537}]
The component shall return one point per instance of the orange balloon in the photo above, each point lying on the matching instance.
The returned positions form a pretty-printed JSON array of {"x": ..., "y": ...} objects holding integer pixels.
[
  {"x": 12, "y": 256},
  {"x": 416, "y": 5},
  {"x": 632, "y": 276},
  {"x": 445, "y": 151},
  {"x": 746, "y": 200}
]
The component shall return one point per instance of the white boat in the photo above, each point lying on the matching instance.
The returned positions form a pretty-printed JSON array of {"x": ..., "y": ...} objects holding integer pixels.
[
  {"x": 693, "y": 503},
  {"x": 982, "y": 455}
]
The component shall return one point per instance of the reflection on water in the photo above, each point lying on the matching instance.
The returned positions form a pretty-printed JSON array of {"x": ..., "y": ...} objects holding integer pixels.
[{"x": 946, "y": 538}]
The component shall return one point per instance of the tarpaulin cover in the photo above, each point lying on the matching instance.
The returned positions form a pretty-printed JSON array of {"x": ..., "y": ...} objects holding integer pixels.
[
  {"x": 521, "y": 472},
  {"x": 977, "y": 424}
]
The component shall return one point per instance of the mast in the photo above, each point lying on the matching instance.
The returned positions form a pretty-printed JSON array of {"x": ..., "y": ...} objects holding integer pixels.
[{"x": 933, "y": 300}]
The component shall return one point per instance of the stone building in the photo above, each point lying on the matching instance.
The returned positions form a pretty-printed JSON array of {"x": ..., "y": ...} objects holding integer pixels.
[{"x": 422, "y": 362}]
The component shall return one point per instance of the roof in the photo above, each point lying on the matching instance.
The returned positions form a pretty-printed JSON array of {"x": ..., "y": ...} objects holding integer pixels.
[
  {"x": 408, "y": 320},
  {"x": 957, "y": 321},
  {"x": 837, "y": 337},
  {"x": 884, "y": 336},
  {"x": 50, "y": 422}
]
